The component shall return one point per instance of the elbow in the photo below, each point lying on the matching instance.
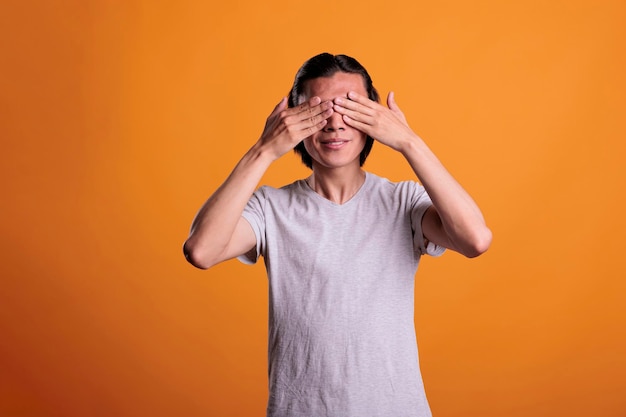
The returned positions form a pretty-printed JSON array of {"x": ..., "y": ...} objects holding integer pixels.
[
  {"x": 196, "y": 256},
  {"x": 479, "y": 243}
]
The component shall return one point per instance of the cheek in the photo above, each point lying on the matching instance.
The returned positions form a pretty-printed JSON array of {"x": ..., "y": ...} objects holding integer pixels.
[
  {"x": 362, "y": 137},
  {"x": 309, "y": 146}
]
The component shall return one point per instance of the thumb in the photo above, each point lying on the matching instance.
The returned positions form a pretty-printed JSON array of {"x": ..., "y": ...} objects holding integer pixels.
[
  {"x": 282, "y": 105},
  {"x": 393, "y": 106},
  {"x": 391, "y": 101}
]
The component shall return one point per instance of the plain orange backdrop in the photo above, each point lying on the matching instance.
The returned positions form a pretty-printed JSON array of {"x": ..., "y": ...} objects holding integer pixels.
[{"x": 119, "y": 118}]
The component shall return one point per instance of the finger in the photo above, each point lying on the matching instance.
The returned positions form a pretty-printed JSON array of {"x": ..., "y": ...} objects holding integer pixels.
[
  {"x": 352, "y": 114},
  {"x": 286, "y": 112},
  {"x": 345, "y": 103},
  {"x": 313, "y": 114},
  {"x": 308, "y": 121},
  {"x": 393, "y": 106},
  {"x": 316, "y": 121},
  {"x": 356, "y": 124},
  {"x": 314, "y": 128},
  {"x": 310, "y": 103},
  {"x": 363, "y": 100},
  {"x": 314, "y": 101},
  {"x": 311, "y": 108},
  {"x": 391, "y": 101},
  {"x": 306, "y": 114},
  {"x": 282, "y": 105}
]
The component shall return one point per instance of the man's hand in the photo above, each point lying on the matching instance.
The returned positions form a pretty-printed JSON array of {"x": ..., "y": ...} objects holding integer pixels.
[
  {"x": 219, "y": 231},
  {"x": 286, "y": 127},
  {"x": 385, "y": 124}
]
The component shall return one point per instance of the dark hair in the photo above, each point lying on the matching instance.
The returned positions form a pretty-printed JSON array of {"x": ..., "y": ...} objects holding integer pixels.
[{"x": 326, "y": 65}]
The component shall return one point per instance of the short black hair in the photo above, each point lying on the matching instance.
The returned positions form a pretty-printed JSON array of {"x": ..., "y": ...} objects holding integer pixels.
[{"x": 326, "y": 65}]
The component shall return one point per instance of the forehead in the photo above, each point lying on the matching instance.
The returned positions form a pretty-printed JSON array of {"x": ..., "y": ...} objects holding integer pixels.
[{"x": 336, "y": 85}]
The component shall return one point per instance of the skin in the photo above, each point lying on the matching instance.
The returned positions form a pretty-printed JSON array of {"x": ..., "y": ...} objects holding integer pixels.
[
  {"x": 334, "y": 118},
  {"x": 454, "y": 221},
  {"x": 336, "y": 148}
]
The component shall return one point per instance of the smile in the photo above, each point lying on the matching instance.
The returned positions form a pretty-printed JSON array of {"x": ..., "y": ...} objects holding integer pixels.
[{"x": 333, "y": 144}]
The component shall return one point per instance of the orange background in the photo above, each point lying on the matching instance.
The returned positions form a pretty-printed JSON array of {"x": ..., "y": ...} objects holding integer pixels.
[{"x": 118, "y": 119}]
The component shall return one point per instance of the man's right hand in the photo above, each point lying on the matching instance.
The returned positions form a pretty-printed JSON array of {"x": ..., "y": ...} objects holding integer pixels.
[
  {"x": 219, "y": 232},
  {"x": 286, "y": 127}
]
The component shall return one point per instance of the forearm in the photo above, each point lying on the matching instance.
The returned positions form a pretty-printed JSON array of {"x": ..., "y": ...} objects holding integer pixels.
[
  {"x": 215, "y": 223},
  {"x": 456, "y": 222},
  {"x": 218, "y": 231},
  {"x": 461, "y": 220}
]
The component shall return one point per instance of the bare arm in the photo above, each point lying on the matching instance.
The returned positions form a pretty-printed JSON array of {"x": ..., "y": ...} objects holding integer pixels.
[
  {"x": 218, "y": 231},
  {"x": 454, "y": 220}
]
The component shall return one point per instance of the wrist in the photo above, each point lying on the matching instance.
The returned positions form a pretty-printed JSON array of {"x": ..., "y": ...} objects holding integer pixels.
[
  {"x": 411, "y": 144},
  {"x": 261, "y": 153}
]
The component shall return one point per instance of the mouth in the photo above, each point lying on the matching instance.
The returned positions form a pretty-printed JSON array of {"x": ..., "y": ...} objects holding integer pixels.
[{"x": 333, "y": 143}]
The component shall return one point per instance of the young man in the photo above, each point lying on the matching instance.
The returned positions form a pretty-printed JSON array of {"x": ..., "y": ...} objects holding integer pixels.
[{"x": 341, "y": 247}]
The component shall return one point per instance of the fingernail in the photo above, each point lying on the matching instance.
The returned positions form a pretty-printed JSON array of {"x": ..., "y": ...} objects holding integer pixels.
[{"x": 338, "y": 100}]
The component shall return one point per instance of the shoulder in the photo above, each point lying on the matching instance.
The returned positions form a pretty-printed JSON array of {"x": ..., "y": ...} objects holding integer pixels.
[
  {"x": 399, "y": 190},
  {"x": 270, "y": 192},
  {"x": 269, "y": 198}
]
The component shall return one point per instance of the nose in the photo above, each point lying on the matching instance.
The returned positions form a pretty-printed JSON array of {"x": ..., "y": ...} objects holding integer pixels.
[{"x": 335, "y": 123}]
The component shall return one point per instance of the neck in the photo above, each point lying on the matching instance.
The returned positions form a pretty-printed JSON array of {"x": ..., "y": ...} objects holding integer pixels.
[{"x": 336, "y": 185}]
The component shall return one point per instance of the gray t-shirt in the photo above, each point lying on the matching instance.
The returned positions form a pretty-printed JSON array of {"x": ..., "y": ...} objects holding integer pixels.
[{"x": 341, "y": 284}]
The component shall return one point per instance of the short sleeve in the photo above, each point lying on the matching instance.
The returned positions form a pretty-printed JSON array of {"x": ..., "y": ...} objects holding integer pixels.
[
  {"x": 419, "y": 204},
  {"x": 254, "y": 214}
]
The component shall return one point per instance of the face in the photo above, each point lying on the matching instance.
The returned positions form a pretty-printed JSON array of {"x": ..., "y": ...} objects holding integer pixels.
[{"x": 337, "y": 145}]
